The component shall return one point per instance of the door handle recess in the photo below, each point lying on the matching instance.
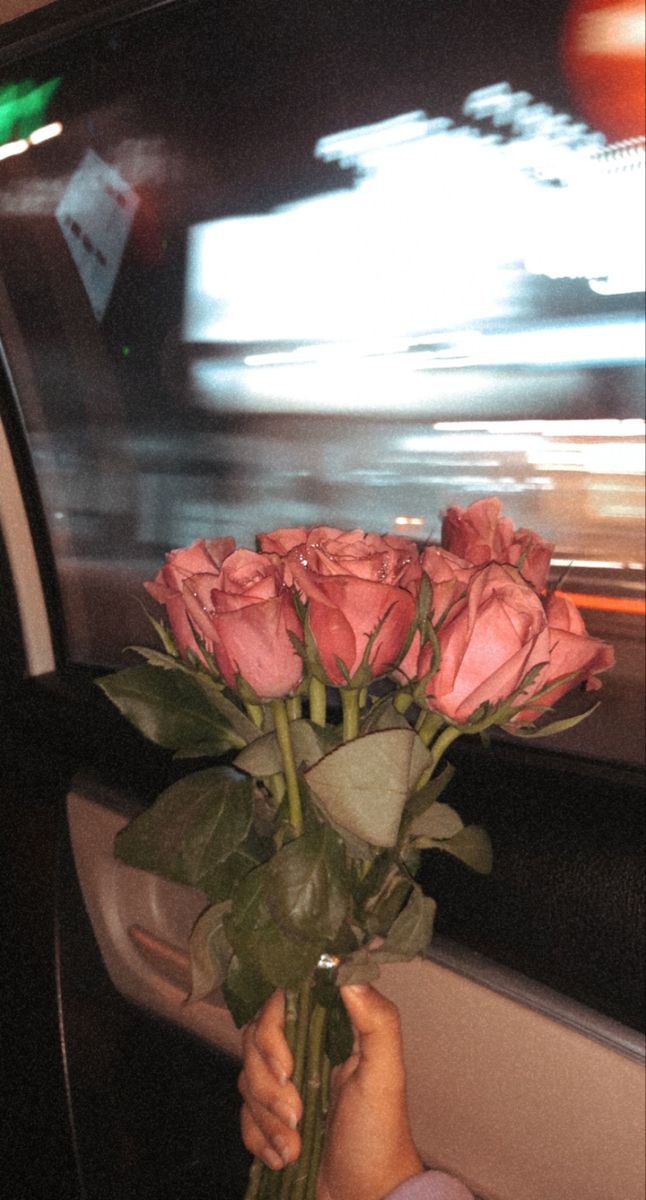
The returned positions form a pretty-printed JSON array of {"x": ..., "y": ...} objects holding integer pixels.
[{"x": 141, "y": 922}]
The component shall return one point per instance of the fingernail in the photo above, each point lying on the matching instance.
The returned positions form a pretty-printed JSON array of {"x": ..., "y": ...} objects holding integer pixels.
[
  {"x": 278, "y": 1070},
  {"x": 272, "y": 1159},
  {"x": 286, "y": 1114},
  {"x": 280, "y": 1145}
]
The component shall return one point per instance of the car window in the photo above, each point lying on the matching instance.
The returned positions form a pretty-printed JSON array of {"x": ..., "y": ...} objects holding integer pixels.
[{"x": 273, "y": 264}]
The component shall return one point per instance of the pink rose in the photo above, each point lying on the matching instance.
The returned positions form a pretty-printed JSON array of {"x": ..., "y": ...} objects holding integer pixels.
[
  {"x": 571, "y": 650},
  {"x": 245, "y": 616},
  {"x": 281, "y": 541},
  {"x": 354, "y": 583},
  {"x": 202, "y": 557},
  {"x": 448, "y": 576},
  {"x": 381, "y": 558},
  {"x": 480, "y": 534},
  {"x": 488, "y": 648}
]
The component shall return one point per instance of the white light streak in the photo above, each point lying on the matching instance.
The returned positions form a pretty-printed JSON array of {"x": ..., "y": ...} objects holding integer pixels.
[
  {"x": 594, "y": 428},
  {"x": 45, "y": 133},
  {"x": 11, "y": 148},
  {"x": 592, "y": 563}
]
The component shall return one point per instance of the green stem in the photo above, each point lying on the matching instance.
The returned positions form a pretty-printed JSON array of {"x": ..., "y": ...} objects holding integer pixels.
[
  {"x": 350, "y": 702},
  {"x": 441, "y": 744},
  {"x": 325, "y": 1086},
  {"x": 281, "y": 723},
  {"x": 277, "y": 785},
  {"x": 317, "y": 1154},
  {"x": 294, "y": 708},
  {"x": 427, "y": 726},
  {"x": 312, "y": 1134},
  {"x": 291, "y": 1015},
  {"x": 302, "y": 1003},
  {"x": 402, "y": 702},
  {"x": 303, "y": 999},
  {"x": 318, "y": 702},
  {"x": 256, "y": 1180},
  {"x": 255, "y": 714}
]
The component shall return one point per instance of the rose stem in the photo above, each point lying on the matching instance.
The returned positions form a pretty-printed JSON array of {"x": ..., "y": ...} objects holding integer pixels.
[
  {"x": 317, "y": 1153},
  {"x": 256, "y": 1180},
  {"x": 294, "y": 708},
  {"x": 318, "y": 701},
  {"x": 281, "y": 723},
  {"x": 255, "y": 714},
  {"x": 402, "y": 702},
  {"x": 277, "y": 785},
  {"x": 427, "y": 725},
  {"x": 441, "y": 744},
  {"x": 274, "y": 1179},
  {"x": 301, "y": 1002},
  {"x": 312, "y": 1123},
  {"x": 350, "y": 701}
]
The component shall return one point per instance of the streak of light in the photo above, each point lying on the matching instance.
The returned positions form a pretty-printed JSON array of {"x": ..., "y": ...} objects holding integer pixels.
[
  {"x": 598, "y": 563},
  {"x": 45, "y": 133},
  {"x": 593, "y": 428},
  {"x": 11, "y": 148},
  {"x": 624, "y": 604}
]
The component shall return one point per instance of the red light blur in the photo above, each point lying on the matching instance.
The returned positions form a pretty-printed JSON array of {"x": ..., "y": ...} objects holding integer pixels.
[{"x": 603, "y": 60}]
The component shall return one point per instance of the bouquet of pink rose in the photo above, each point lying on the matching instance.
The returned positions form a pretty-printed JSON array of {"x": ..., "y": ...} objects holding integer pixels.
[{"x": 334, "y": 670}]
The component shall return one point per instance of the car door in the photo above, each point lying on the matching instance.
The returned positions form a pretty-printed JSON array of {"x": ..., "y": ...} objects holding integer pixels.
[{"x": 169, "y": 366}]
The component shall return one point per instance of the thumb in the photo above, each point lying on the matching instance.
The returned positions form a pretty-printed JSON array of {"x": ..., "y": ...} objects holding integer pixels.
[{"x": 377, "y": 1030}]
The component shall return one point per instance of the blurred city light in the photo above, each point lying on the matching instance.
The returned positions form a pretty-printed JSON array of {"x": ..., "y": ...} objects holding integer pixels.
[
  {"x": 45, "y": 133},
  {"x": 11, "y": 148},
  {"x": 439, "y": 257}
]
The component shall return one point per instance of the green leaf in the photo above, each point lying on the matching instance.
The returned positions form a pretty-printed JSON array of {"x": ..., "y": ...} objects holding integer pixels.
[
  {"x": 258, "y": 940},
  {"x": 554, "y": 726},
  {"x": 171, "y": 709},
  {"x": 360, "y": 967},
  {"x": 471, "y": 845},
  {"x": 245, "y": 991},
  {"x": 380, "y": 916},
  {"x": 383, "y": 715},
  {"x": 158, "y": 658},
  {"x": 427, "y": 795},
  {"x": 305, "y": 889},
  {"x": 411, "y": 932},
  {"x": 192, "y": 827},
  {"x": 437, "y": 821},
  {"x": 209, "y": 950},
  {"x": 262, "y": 758},
  {"x": 364, "y": 784},
  {"x": 163, "y": 633},
  {"x": 225, "y": 876},
  {"x": 245, "y": 728},
  {"x": 374, "y": 879}
]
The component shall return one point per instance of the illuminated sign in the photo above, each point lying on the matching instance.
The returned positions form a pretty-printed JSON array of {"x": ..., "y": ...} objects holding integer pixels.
[{"x": 23, "y": 107}]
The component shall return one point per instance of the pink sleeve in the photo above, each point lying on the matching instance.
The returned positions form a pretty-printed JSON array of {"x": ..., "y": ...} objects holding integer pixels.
[{"x": 432, "y": 1185}]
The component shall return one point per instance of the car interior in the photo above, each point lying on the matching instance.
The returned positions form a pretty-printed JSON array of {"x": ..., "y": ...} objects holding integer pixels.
[{"x": 266, "y": 264}]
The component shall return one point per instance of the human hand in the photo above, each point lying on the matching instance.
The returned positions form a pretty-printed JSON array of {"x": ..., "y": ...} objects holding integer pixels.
[{"x": 368, "y": 1145}]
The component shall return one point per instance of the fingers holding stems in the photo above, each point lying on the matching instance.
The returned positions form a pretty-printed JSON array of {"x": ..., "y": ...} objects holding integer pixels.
[{"x": 272, "y": 1106}]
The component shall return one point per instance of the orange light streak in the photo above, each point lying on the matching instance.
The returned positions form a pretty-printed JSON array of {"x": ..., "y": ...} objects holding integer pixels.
[{"x": 625, "y": 604}]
